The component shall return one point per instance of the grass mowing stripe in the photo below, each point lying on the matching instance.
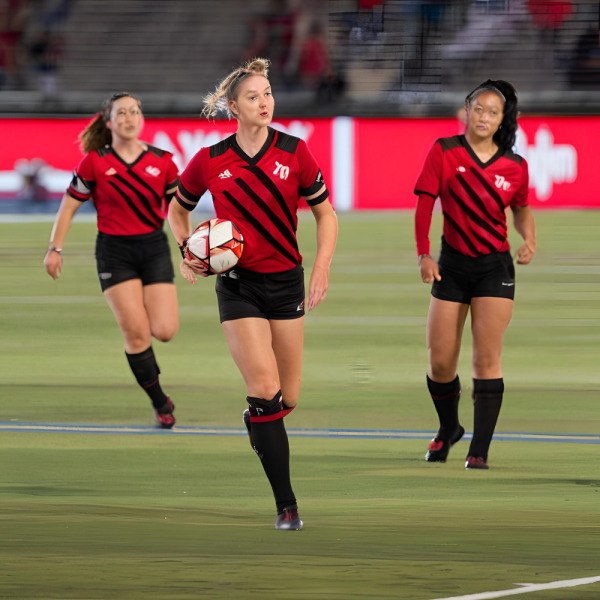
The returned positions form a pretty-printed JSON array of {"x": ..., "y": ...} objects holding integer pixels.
[{"x": 554, "y": 585}]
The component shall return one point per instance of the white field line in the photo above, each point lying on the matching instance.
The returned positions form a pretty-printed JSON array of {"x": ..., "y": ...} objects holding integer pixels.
[{"x": 537, "y": 587}]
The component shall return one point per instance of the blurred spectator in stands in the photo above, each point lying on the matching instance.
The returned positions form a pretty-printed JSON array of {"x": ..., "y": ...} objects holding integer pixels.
[
  {"x": 13, "y": 21},
  {"x": 585, "y": 71},
  {"x": 272, "y": 35},
  {"x": 46, "y": 53},
  {"x": 549, "y": 14},
  {"x": 314, "y": 58}
]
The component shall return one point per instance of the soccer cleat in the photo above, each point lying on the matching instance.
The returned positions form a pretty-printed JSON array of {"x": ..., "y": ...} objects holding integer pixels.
[
  {"x": 166, "y": 420},
  {"x": 246, "y": 419},
  {"x": 439, "y": 449},
  {"x": 476, "y": 462},
  {"x": 289, "y": 519}
]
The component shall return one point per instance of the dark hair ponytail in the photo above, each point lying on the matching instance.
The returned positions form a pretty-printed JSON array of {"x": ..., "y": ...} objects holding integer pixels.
[
  {"x": 506, "y": 136},
  {"x": 97, "y": 135}
]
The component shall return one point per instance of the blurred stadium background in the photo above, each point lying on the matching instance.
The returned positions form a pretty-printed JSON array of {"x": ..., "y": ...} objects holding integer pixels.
[{"x": 370, "y": 84}]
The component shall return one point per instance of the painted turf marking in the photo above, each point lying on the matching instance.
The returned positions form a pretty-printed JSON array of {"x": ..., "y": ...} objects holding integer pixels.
[
  {"x": 535, "y": 587},
  {"x": 308, "y": 433}
]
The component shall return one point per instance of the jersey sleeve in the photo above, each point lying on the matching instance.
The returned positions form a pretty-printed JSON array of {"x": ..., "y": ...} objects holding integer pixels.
[
  {"x": 521, "y": 197},
  {"x": 172, "y": 179},
  {"x": 430, "y": 179},
  {"x": 83, "y": 183},
  {"x": 193, "y": 182},
  {"x": 312, "y": 184}
]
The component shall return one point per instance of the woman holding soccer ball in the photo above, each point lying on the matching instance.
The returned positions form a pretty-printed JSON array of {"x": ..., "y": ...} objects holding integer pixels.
[
  {"x": 131, "y": 184},
  {"x": 256, "y": 178},
  {"x": 477, "y": 176}
]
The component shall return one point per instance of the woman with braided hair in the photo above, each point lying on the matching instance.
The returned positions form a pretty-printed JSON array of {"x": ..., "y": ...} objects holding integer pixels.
[
  {"x": 131, "y": 184},
  {"x": 257, "y": 177},
  {"x": 477, "y": 176}
]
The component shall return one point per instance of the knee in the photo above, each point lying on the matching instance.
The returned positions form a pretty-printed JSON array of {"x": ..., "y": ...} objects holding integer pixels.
[
  {"x": 486, "y": 366},
  {"x": 264, "y": 387},
  {"x": 442, "y": 372},
  {"x": 165, "y": 331},
  {"x": 136, "y": 340},
  {"x": 290, "y": 400}
]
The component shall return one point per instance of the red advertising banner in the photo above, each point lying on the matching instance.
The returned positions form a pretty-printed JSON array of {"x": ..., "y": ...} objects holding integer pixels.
[
  {"x": 49, "y": 147},
  {"x": 378, "y": 160},
  {"x": 561, "y": 154}
]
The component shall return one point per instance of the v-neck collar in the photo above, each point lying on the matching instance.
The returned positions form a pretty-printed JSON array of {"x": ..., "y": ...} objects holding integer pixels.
[
  {"x": 129, "y": 165},
  {"x": 253, "y": 160},
  {"x": 478, "y": 161}
]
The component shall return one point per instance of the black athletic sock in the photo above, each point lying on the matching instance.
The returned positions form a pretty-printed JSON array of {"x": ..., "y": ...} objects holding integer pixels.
[
  {"x": 271, "y": 444},
  {"x": 487, "y": 400},
  {"x": 445, "y": 397},
  {"x": 146, "y": 372}
]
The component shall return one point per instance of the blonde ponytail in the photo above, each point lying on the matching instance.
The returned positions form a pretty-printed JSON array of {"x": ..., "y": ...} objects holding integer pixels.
[
  {"x": 97, "y": 135},
  {"x": 227, "y": 90}
]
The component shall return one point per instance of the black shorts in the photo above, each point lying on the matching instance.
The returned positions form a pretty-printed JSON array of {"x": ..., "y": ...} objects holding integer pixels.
[
  {"x": 243, "y": 294},
  {"x": 120, "y": 258},
  {"x": 465, "y": 277}
]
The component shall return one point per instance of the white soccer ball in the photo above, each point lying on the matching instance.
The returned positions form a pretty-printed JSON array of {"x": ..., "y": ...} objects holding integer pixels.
[{"x": 217, "y": 243}]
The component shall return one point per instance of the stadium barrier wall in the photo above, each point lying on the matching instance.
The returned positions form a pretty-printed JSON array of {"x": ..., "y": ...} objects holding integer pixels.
[{"x": 368, "y": 164}]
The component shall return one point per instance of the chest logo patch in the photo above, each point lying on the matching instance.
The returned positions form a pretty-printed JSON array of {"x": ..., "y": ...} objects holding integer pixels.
[
  {"x": 282, "y": 170},
  {"x": 111, "y": 171},
  {"x": 460, "y": 169},
  {"x": 501, "y": 183},
  {"x": 154, "y": 171},
  {"x": 225, "y": 174}
]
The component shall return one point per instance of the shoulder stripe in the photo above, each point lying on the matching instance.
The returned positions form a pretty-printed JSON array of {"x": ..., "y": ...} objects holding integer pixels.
[
  {"x": 514, "y": 157},
  {"x": 104, "y": 151},
  {"x": 286, "y": 142},
  {"x": 156, "y": 151},
  {"x": 449, "y": 143},
  {"x": 221, "y": 147}
]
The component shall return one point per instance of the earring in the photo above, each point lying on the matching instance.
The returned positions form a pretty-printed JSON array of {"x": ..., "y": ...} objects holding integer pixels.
[{"x": 500, "y": 127}]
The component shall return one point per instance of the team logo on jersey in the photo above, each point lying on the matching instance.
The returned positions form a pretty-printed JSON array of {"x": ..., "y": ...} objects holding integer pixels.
[
  {"x": 460, "y": 169},
  {"x": 111, "y": 171},
  {"x": 154, "y": 171},
  {"x": 281, "y": 170},
  {"x": 501, "y": 183},
  {"x": 225, "y": 174}
]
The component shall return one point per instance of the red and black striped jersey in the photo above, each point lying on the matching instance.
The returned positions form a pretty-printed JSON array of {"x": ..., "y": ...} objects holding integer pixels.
[
  {"x": 259, "y": 194},
  {"x": 474, "y": 195},
  {"x": 131, "y": 198}
]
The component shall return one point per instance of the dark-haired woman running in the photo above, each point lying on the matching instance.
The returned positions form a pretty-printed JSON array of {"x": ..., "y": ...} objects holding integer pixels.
[
  {"x": 477, "y": 176},
  {"x": 131, "y": 184}
]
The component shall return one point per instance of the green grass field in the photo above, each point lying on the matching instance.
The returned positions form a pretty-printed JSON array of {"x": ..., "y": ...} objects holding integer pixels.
[{"x": 177, "y": 516}]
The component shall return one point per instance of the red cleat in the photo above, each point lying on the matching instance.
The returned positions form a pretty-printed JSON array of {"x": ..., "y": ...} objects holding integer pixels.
[
  {"x": 476, "y": 462},
  {"x": 289, "y": 520},
  {"x": 438, "y": 449},
  {"x": 166, "y": 420}
]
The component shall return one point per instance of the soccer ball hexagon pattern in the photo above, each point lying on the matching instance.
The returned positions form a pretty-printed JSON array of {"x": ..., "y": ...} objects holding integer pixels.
[{"x": 218, "y": 243}]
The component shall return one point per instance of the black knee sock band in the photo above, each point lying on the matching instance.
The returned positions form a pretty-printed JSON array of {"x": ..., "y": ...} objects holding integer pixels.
[{"x": 487, "y": 388}]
